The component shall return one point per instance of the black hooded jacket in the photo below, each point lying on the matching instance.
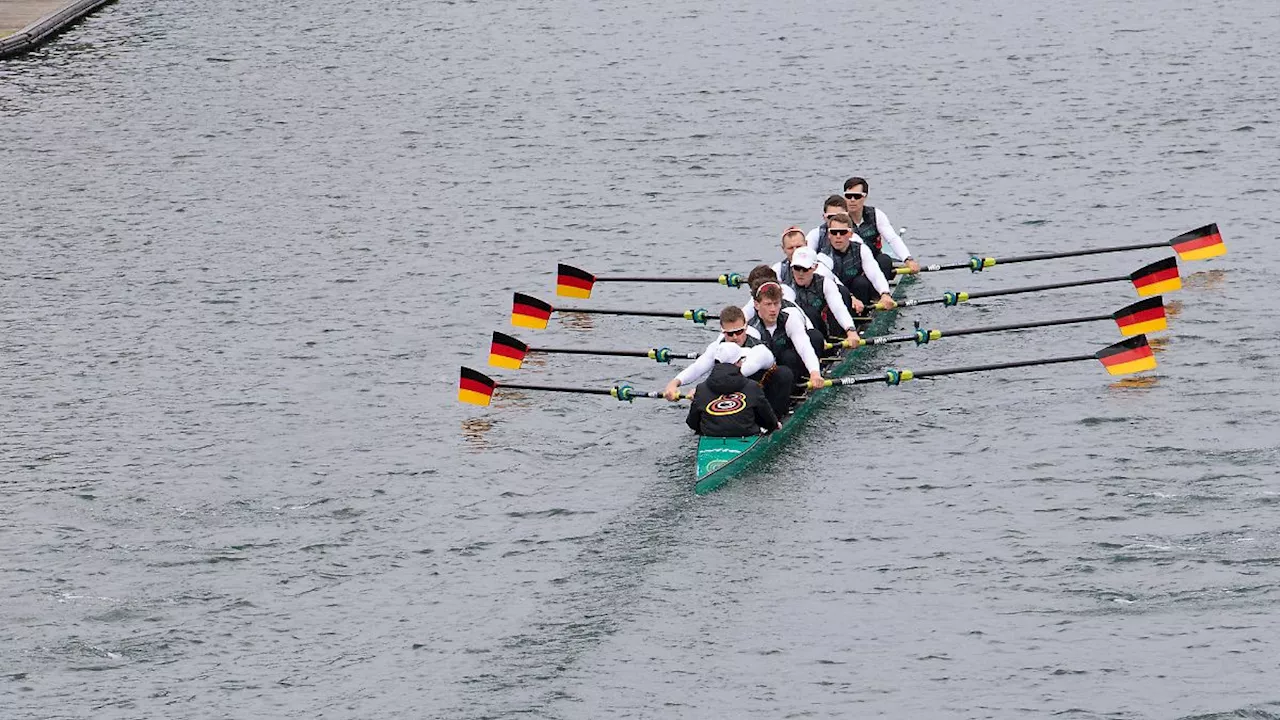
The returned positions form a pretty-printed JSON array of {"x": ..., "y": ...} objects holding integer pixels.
[{"x": 729, "y": 405}]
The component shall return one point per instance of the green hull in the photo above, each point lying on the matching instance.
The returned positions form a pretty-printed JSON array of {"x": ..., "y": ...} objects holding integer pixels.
[{"x": 722, "y": 459}]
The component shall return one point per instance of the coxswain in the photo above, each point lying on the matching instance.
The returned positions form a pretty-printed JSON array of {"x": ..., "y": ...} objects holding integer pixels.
[
  {"x": 728, "y": 404},
  {"x": 756, "y": 361},
  {"x": 819, "y": 297},
  {"x": 853, "y": 263},
  {"x": 873, "y": 226},
  {"x": 782, "y": 330}
]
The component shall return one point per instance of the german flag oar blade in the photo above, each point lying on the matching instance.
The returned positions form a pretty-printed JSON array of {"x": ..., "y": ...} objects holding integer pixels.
[
  {"x": 529, "y": 312},
  {"x": 475, "y": 387},
  {"x": 573, "y": 282},
  {"x": 507, "y": 352},
  {"x": 1157, "y": 278},
  {"x": 1199, "y": 244},
  {"x": 1144, "y": 316},
  {"x": 1127, "y": 356}
]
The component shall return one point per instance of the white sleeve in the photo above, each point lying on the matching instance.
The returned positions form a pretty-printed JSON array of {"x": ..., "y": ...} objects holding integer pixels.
[
  {"x": 871, "y": 269},
  {"x": 835, "y": 304},
  {"x": 812, "y": 237},
  {"x": 824, "y": 269},
  {"x": 788, "y": 293},
  {"x": 777, "y": 267},
  {"x": 800, "y": 339},
  {"x": 701, "y": 368},
  {"x": 757, "y": 358},
  {"x": 749, "y": 310},
  {"x": 885, "y": 228}
]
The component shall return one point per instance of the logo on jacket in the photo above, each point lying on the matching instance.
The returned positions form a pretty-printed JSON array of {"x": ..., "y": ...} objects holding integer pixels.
[{"x": 727, "y": 404}]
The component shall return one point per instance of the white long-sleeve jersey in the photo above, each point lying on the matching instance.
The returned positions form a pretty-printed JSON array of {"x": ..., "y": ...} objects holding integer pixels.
[
  {"x": 794, "y": 326},
  {"x": 870, "y": 267},
  {"x": 757, "y": 358}
]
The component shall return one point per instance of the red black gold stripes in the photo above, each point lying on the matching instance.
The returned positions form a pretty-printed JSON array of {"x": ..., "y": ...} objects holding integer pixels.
[
  {"x": 529, "y": 312},
  {"x": 573, "y": 282},
  {"x": 1157, "y": 278},
  {"x": 1141, "y": 317},
  {"x": 475, "y": 387},
  {"x": 507, "y": 352},
  {"x": 1199, "y": 244},
  {"x": 1127, "y": 356}
]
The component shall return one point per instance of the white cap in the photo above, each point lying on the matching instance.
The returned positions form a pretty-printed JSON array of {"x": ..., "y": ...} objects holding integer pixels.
[
  {"x": 727, "y": 352},
  {"x": 804, "y": 257}
]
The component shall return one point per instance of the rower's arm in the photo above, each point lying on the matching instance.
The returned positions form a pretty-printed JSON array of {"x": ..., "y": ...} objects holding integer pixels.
[
  {"x": 812, "y": 238},
  {"x": 891, "y": 236},
  {"x": 701, "y": 367},
  {"x": 758, "y": 357},
  {"x": 835, "y": 305},
  {"x": 800, "y": 339},
  {"x": 872, "y": 270}
]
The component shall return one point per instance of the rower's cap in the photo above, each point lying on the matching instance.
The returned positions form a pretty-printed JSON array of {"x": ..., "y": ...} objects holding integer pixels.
[
  {"x": 728, "y": 352},
  {"x": 804, "y": 257}
]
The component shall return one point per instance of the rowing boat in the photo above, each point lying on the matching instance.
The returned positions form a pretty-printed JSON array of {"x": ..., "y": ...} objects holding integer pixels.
[{"x": 720, "y": 459}]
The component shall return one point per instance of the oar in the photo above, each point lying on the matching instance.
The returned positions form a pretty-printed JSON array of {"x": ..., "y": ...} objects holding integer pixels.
[
  {"x": 1123, "y": 358},
  {"x": 1199, "y": 244},
  {"x": 508, "y": 352},
  {"x": 476, "y": 388},
  {"x": 577, "y": 283},
  {"x": 1138, "y": 318},
  {"x": 530, "y": 312},
  {"x": 1159, "y": 277}
]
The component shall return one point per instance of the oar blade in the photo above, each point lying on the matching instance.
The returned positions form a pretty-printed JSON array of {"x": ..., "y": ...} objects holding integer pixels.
[
  {"x": 530, "y": 312},
  {"x": 1200, "y": 244},
  {"x": 573, "y": 282},
  {"x": 475, "y": 388},
  {"x": 1144, "y": 316},
  {"x": 1157, "y": 278},
  {"x": 507, "y": 352},
  {"x": 1127, "y": 356}
]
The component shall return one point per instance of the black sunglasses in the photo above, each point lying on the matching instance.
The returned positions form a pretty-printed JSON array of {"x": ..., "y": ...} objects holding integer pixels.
[
  {"x": 734, "y": 333},
  {"x": 839, "y": 231},
  {"x": 854, "y": 196}
]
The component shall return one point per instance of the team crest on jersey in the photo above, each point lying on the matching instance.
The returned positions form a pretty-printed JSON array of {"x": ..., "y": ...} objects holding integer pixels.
[{"x": 727, "y": 404}]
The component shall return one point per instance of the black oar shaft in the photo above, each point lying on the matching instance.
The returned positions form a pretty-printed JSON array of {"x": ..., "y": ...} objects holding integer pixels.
[
  {"x": 620, "y": 278},
  {"x": 913, "y": 337},
  {"x": 612, "y": 353},
  {"x": 639, "y": 313},
  {"x": 1078, "y": 253},
  {"x": 977, "y": 263},
  {"x": 631, "y": 392},
  {"x": 885, "y": 377},
  {"x": 953, "y": 298}
]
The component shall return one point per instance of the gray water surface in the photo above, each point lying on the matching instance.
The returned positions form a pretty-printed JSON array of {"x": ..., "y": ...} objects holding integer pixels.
[{"x": 246, "y": 247}]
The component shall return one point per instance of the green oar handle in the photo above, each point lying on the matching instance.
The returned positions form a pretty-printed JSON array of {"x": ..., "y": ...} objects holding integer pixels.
[
  {"x": 977, "y": 264},
  {"x": 897, "y": 376}
]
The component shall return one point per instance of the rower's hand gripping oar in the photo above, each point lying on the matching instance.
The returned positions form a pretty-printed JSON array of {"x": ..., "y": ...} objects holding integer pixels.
[
  {"x": 530, "y": 312},
  {"x": 1159, "y": 277},
  {"x": 1199, "y": 244},
  {"x": 476, "y": 388},
  {"x": 577, "y": 283},
  {"x": 1123, "y": 358},
  {"x": 508, "y": 352},
  {"x": 1144, "y": 316}
]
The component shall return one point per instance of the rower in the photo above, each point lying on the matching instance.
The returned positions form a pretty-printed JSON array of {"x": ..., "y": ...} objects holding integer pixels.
[
  {"x": 817, "y": 237},
  {"x": 729, "y": 405},
  {"x": 757, "y": 362},
  {"x": 763, "y": 273},
  {"x": 792, "y": 238},
  {"x": 853, "y": 263},
  {"x": 873, "y": 226},
  {"x": 782, "y": 331},
  {"x": 819, "y": 297}
]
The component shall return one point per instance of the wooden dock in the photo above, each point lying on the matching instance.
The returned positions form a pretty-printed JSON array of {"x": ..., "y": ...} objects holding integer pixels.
[{"x": 27, "y": 24}]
